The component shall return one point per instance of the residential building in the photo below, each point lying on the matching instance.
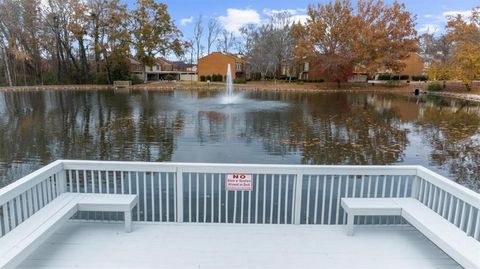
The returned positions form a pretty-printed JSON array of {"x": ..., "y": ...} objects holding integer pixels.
[
  {"x": 414, "y": 66},
  {"x": 216, "y": 63},
  {"x": 163, "y": 69}
]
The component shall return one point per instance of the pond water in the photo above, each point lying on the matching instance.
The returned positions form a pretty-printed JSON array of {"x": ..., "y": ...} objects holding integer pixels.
[{"x": 263, "y": 127}]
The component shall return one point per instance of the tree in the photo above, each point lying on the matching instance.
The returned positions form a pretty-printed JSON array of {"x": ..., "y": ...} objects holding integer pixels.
[
  {"x": 226, "y": 42},
  {"x": 213, "y": 29},
  {"x": 154, "y": 32},
  {"x": 383, "y": 37},
  {"x": 270, "y": 46},
  {"x": 197, "y": 36},
  {"x": 327, "y": 38},
  {"x": 437, "y": 52},
  {"x": 465, "y": 34}
]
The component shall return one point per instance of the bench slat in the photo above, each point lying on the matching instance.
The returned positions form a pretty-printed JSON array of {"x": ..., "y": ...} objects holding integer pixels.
[
  {"x": 453, "y": 241},
  {"x": 16, "y": 245}
]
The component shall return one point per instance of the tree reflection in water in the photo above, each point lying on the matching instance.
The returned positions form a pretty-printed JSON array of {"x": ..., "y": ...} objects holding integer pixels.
[{"x": 311, "y": 128}]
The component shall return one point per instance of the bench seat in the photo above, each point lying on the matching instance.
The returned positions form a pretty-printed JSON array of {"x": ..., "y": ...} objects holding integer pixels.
[
  {"x": 16, "y": 245},
  {"x": 453, "y": 241}
]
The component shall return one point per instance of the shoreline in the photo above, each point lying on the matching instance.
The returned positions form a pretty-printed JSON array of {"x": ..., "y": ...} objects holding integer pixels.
[{"x": 325, "y": 87}]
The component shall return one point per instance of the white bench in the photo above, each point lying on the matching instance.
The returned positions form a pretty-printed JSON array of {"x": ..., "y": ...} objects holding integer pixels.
[
  {"x": 16, "y": 245},
  {"x": 463, "y": 249}
]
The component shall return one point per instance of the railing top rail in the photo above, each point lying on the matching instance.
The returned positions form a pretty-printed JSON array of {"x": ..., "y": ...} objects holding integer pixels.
[
  {"x": 455, "y": 189},
  {"x": 242, "y": 168},
  {"x": 12, "y": 190},
  {"x": 9, "y": 192}
]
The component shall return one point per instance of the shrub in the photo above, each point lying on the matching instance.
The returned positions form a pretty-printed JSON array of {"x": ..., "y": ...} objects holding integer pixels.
[
  {"x": 239, "y": 81},
  {"x": 404, "y": 77},
  {"x": 219, "y": 78},
  {"x": 202, "y": 78},
  {"x": 420, "y": 78},
  {"x": 208, "y": 78},
  {"x": 435, "y": 87},
  {"x": 392, "y": 83},
  {"x": 384, "y": 77},
  {"x": 135, "y": 79},
  {"x": 214, "y": 77}
]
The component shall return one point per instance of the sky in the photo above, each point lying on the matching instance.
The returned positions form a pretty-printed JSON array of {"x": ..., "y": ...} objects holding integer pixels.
[{"x": 431, "y": 14}]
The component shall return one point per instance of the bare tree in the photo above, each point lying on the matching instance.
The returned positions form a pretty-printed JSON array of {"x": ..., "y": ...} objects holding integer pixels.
[
  {"x": 226, "y": 42},
  {"x": 197, "y": 36},
  {"x": 213, "y": 32},
  {"x": 270, "y": 46}
]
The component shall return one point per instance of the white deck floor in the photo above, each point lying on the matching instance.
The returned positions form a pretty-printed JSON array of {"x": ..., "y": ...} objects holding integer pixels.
[{"x": 103, "y": 245}]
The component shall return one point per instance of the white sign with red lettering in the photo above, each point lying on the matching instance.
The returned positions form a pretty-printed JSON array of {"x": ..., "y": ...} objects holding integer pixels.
[{"x": 239, "y": 182}]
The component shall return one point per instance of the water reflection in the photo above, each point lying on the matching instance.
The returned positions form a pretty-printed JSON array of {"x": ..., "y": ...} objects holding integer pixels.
[{"x": 269, "y": 127}]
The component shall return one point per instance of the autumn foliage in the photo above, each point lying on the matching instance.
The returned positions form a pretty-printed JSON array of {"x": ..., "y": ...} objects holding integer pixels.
[{"x": 340, "y": 37}]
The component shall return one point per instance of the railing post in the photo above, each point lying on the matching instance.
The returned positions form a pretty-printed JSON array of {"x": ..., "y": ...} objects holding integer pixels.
[
  {"x": 179, "y": 182},
  {"x": 416, "y": 187},
  {"x": 62, "y": 181},
  {"x": 298, "y": 198}
]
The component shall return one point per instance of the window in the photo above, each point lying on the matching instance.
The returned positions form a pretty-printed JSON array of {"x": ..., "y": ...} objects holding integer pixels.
[
  {"x": 158, "y": 67},
  {"x": 306, "y": 67},
  {"x": 238, "y": 67}
]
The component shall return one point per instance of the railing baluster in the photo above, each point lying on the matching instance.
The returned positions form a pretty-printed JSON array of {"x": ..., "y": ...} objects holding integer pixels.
[
  {"x": 115, "y": 182},
  {"x": 85, "y": 188},
  {"x": 212, "y": 199},
  {"x": 6, "y": 222},
  {"x": 197, "y": 196},
  {"x": 361, "y": 194},
  {"x": 271, "y": 197},
  {"x": 92, "y": 176},
  {"x": 324, "y": 179},
  {"x": 145, "y": 205},
  {"x": 339, "y": 194},
  {"x": 152, "y": 190},
  {"x": 167, "y": 196},
  {"x": 220, "y": 198},
  {"x": 160, "y": 195},
  {"x": 70, "y": 180},
  {"x": 307, "y": 216},
  {"x": 226, "y": 203},
  {"x": 476, "y": 234},
  {"x": 315, "y": 210},
  {"x": 122, "y": 183},
  {"x": 469, "y": 222},
  {"x": 204, "y": 198},
  {"x": 462, "y": 216},
  {"x": 249, "y": 205},
  {"x": 137, "y": 185},
  {"x": 286, "y": 198},
  {"x": 298, "y": 198},
  {"x": 235, "y": 206},
  {"x": 330, "y": 204},
  {"x": 279, "y": 198},
  {"x": 189, "y": 197},
  {"x": 175, "y": 199}
]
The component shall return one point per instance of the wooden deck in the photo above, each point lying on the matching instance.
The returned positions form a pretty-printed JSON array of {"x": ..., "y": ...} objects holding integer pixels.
[{"x": 105, "y": 245}]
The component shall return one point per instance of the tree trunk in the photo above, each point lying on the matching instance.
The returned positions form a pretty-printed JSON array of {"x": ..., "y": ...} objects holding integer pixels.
[{"x": 7, "y": 67}]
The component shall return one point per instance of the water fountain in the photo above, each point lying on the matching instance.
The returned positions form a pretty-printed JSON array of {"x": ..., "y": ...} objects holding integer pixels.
[{"x": 230, "y": 97}]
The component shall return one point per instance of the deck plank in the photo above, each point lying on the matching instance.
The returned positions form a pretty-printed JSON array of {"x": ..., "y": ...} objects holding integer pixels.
[{"x": 104, "y": 245}]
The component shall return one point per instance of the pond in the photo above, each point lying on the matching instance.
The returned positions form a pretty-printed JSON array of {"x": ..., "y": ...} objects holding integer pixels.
[{"x": 263, "y": 127}]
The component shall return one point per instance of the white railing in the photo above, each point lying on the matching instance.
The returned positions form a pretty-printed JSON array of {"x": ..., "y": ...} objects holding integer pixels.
[
  {"x": 282, "y": 194},
  {"x": 22, "y": 198}
]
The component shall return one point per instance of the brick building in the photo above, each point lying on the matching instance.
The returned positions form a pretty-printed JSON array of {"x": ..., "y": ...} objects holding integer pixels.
[{"x": 216, "y": 63}]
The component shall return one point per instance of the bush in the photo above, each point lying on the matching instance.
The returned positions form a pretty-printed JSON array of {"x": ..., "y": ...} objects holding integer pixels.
[
  {"x": 384, "y": 77},
  {"x": 219, "y": 78},
  {"x": 239, "y": 81},
  {"x": 420, "y": 78},
  {"x": 136, "y": 80},
  {"x": 404, "y": 77},
  {"x": 202, "y": 78},
  {"x": 208, "y": 78},
  {"x": 101, "y": 78},
  {"x": 435, "y": 87},
  {"x": 393, "y": 83}
]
